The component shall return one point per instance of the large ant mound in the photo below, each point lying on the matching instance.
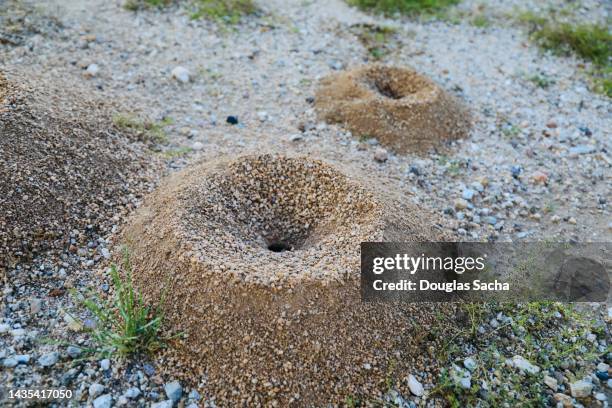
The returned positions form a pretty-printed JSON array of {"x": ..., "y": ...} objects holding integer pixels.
[
  {"x": 65, "y": 170},
  {"x": 404, "y": 110},
  {"x": 258, "y": 259}
]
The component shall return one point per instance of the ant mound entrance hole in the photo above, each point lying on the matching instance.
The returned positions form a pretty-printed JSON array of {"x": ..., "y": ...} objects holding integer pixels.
[{"x": 279, "y": 246}]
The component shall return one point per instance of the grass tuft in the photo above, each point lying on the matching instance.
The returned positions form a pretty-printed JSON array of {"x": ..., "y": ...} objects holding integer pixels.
[
  {"x": 227, "y": 11},
  {"x": 407, "y": 7},
  {"x": 146, "y": 131},
  {"x": 592, "y": 42},
  {"x": 125, "y": 325}
]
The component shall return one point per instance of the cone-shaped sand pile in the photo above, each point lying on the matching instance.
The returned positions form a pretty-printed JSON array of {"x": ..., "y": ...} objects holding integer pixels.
[
  {"x": 404, "y": 110},
  {"x": 261, "y": 256},
  {"x": 63, "y": 166}
]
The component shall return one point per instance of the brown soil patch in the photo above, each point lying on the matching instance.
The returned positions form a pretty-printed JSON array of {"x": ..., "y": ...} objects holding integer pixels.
[
  {"x": 404, "y": 110},
  {"x": 64, "y": 169},
  {"x": 261, "y": 257}
]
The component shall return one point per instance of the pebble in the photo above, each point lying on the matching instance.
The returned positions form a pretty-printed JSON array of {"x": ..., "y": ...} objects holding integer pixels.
[
  {"x": 416, "y": 388},
  {"x": 18, "y": 332},
  {"x": 173, "y": 390},
  {"x": 461, "y": 204},
  {"x": 132, "y": 393},
  {"x": 35, "y": 306},
  {"x": 92, "y": 70},
  {"x": 4, "y": 328},
  {"x": 105, "y": 364},
  {"x": 23, "y": 358},
  {"x": 181, "y": 74},
  {"x": 103, "y": 401},
  {"x": 551, "y": 382},
  {"x": 381, "y": 155},
  {"x": 49, "y": 359},
  {"x": 232, "y": 120},
  {"x": 581, "y": 389},
  {"x": 95, "y": 389},
  {"x": 468, "y": 194},
  {"x": 600, "y": 396},
  {"x": 539, "y": 177},
  {"x": 163, "y": 404},
  {"x": 470, "y": 363},
  {"x": 262, "y": 116},
  {"x": 581, "y": 149},
  {"x": 523, "y": 365},
  {"x": 73, "y": 351},
  {"x": 10, "y": 362},
  {"x": 197, "y": 146}
]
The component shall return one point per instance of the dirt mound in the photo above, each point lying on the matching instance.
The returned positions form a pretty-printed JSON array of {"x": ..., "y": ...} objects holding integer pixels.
[
  {"x": 261, "y": 256},
  {"x": 63, "y": 167},
  {"x": 404, "y": 110}
]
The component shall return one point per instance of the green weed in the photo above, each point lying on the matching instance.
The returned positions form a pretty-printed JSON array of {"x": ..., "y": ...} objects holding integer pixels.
[
  {"x": 406, "y": 7},
  {"x": 227, "y": 11},
  {"x": 376, "y": 39},
  {"x": 146, "y": 131},
  {"x": 125, "y": 325}
]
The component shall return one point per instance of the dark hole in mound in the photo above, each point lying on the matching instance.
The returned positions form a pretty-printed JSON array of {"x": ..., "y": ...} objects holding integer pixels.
[
  {"x": 279, "y": 246},
  {"x": 387, "y": 90}
]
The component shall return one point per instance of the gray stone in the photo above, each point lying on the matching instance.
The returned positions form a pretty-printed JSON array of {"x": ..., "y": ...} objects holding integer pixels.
[
  {"x": 103, "y": 401},
  {"x": 49, "y": 359},
  {"x": 581, "y": 149},
  {"x": 95, "y": 389},
  {"x": 73, "y": 351},
  {"x": 381, "y": 155},
  {"x": 468, "y": 194},
  {"x": 181, "y": 74},
  {"x": 581, "y": 389},
  {"x": 132, "y": 393},
  {"x": 35, "y": 306},
  {"x": 4, "y": 328},
  {"x": 524, "y": 366},
  {"x": 470, "y": 364},
  {"x": 23, "y": 358},
  {"x": 163, "y": 404},
  {"x": 416, "y": 388},
  {"x": 551, "y": 382},
  {"x": 10, "y": 362},
  {"x": 173, "y": 390},
  {"x": 194, "y": 395},
  {"x": 105, "y": 364}
]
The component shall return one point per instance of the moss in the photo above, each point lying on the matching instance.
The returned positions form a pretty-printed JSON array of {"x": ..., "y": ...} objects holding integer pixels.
[
  {"x": 146, "y": 131},
  {"x": 481, "y": 21},
  {"x": 227, "y": 11},
  {"x": 378, "y": 40},
  {"x": 407, "y": 7}
]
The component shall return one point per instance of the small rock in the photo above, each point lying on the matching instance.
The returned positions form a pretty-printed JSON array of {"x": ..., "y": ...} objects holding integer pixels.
[
  {"x": 181, "y": 74},
  {"x": 565, "y": 400},
  {"x": 600, "y": 396},
  {"x": 132, "y": 393},
  {"x": 381, "y": 155},
  {"x": 103, "y": 401},
  {"x": 468, "y": 194},
  {"x": 23, "y": 358},
  {"x": 461, "y": 204},
  {"x": 262, "y": 116},
  {"x": 539, "y": 177},
  {"x": 73, "y": 351},
  {"x": 95, "y": 389},
  {"x": 232, "y": 120},
  {"x": 470, "y": 363},
  {"x": 163, "y": 404},
  {"x": 525, "y": 366},
  {"x": 4, "y": 328},
  {"x": 173, "y": 390},
  {"x": 105, "y": 253},
  {"x": 197, "y": 146},
  {"x": 49, "y": 359},
  {"x": 581, "y": 149},
  {"x": 35, "y": 306},
  {"x": 581, "y": 389},
  {"x": 18, "y": 332},
  {"x": 10, "y": 362},
  {"x": 194, "y": 395},
  {"x": 92, "y": 70},
  {"x": 105, "y": 364},
  {"x": 416, "y": 388},
  {"x": 550, "y": 382}
]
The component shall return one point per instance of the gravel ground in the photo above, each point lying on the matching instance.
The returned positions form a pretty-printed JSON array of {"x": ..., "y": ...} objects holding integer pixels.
[{"x": 537, "y": 164}]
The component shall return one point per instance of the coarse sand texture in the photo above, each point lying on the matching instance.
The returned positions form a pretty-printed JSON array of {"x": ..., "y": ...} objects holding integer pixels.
[
  {"x": 63, "y": 167},
  {"x": 404, "y": 110},
  {"x": 260, "y": 258}
]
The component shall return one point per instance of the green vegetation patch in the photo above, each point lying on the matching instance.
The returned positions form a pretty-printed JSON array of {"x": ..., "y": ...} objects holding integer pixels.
[
  {"x": 592, "y": 42},
  {"x": 145, "y": 131},
  {"x": 407, "y": 7},
  {"x": 552, "y": 337},
  {"x": 378, "y": 40},
  {"x": 228, "y": 11},
  {"x": 124, "y": 324}
]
